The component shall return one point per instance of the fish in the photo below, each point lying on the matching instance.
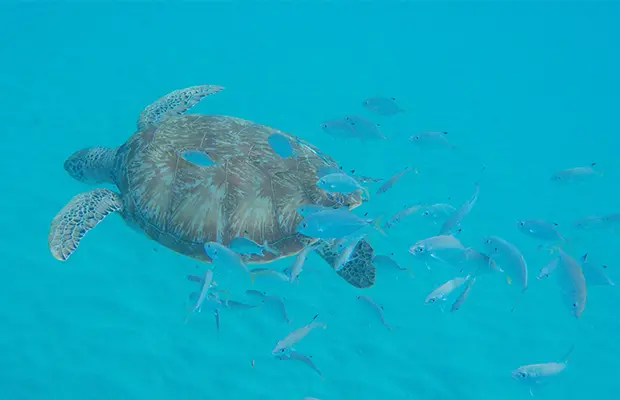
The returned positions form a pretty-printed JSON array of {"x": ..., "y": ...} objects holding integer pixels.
[
  {"x": 576, "y": 174},
  {"x": 273, "y": 300},
  {"x": 539, "y": 229},
  {"x": 204, "y": 290},
  {"x": 548, "y": 269},
  {"x": 300, "y": 259},
  {"x": 367, "y": 179},
  {"x": 197, "y": 157},
  {"x": 534, "y": 374},
  {"x": 232, "y": 304},
  {"x": 398, "y": 216},
  {"x": 338, "y": 128},
  {"x": 222, "y": 255},
  {"x": 387, "y": 262},
  {"x": 364, "y": 128},
  {"x": 387, "y": 185},
  {"x": 454, "y": 220},
  {"x": 281, "y": 145},
  {"x": 294, "y": 337},
  {"x": 589, "y": 223},
  {"x": 514, "y": 258},
  {"x": 334, "y": 224},
  {"x": 242, "y": 245},
  {"x": 430, "y": 247},
  {"x": 306, "y": 209},
  {"x": 611, "y": 220},
  {"x": 437, "y": 212},
  {"x": 294, "y": 355},
  {"x": 445, "y": 289},
  {"x": 477, "y": 263},
  {"x": 594, "y": 274},
  {"x": 345, "y": 253},
  {"x": 340, "y": 183},
  {"x": 463, "y": 296},
  {"x": 267, "y": 272},
  {"x": 325, "y": 170},
  {"x": 572, "y": 283},
  {"x": 382, "y": 105},
  {"x": 431, "y": 139},
  {"x": 377, "y": 308}
]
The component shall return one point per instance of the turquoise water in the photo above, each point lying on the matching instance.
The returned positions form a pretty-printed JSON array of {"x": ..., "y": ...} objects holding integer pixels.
[{"x": 524, "y": 90}]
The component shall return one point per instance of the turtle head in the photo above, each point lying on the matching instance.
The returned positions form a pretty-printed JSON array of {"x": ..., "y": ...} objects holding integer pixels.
[{"x": 93, "y": 165}]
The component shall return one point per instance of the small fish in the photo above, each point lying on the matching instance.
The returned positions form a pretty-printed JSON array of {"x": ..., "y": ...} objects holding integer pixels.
[
  {"x": 393, "y": 179},
  {"x": 611, "y": 220},
  {"x": 300, "y": 259},
  {"x": 594, "y": 274},
  {"x": 377, "y": 308},
  {"x": 589, "y": 223},
  {"x": 222, "y": 255},
  {"x": 293, "y": 355},
  {"x": 431, "y": 139},
  {"x": 340, "y": 183},
  {"x": 364, "y": 128},
  {"x": 387, "y": 262},
  {"x": 367, "y": 179},
  {"x": 243, "y": 245},
  {"x": 547, "y": 269},
  {"x": 513, "y": 256},
  {"x": 325, "y": 170},
  {"x": 477, "y": 263},
  {"x": 338, "y": 128},
  {"x": 294, "y": 337},
  {"x": 345, "y": 253},
  {"x": 396, "y": 218},
  {"x": 204, "y": 290},
  {"x": 267, "y": 272},
  {"x": 197, "y": 157},
  {"x": 236, "y": 305},
  {"x": 535, "y": 374},
  {"x": 281, "y": 145},
  {"x": 334, "y": 224},
  {"x": 454, "y": 220},
  {"x": 572, "y": 283},
  {"x": 576, "y": 174},
  {"x": 445, "y": 289},
  {"x": 435, "y": 247},
  {"x": 539, "y": 229},
  {"x": 463, "y": 296},
  {"x": 306, "y": 209},
  {"x": 279, "y": 304},
  {"x": 437, "y": 212},
  {"x": 382, "y": 105}
]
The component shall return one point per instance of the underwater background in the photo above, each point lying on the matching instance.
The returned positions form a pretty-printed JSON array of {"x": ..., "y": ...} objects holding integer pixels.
[{"x": 525, "y": 89}]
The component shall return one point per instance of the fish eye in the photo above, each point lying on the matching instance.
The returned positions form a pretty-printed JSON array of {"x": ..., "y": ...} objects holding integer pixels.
[
  {"x": 521, "y": 223},
  {"x": 426, "y": 213},
  {"x": 419, "y": 249},
  {"x": 431, "y": 300},
  {"x": 521, "y": 374}
]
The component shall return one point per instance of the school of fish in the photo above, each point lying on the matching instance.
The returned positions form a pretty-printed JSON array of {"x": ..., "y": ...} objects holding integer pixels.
[{"x": 470, "y": 262}]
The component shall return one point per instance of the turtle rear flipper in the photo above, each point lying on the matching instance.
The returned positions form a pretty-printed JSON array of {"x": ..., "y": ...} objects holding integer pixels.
[
  {"x": 174, "y": 103},
  {"x": 359, "y": 271},
  {"x": 82, "y": 213}
]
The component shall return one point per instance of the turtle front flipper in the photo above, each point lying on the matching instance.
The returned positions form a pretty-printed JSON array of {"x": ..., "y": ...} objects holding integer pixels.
[
  {"x": 359, "y": 271},
  {"x": 174, "y": 103},
  {"x": 82, "y": 213}
]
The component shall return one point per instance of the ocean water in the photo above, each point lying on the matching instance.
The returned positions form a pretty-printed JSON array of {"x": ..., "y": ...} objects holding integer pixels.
[{"x": 524, "y": 89}]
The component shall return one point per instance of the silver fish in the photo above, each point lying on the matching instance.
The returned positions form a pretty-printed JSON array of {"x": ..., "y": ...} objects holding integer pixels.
[
  {"x": 396, "y": 218},
  {"x": 548, "y": 269},
  {"x": 611, "y": 220},
  {"x": 393, "y": 179},
  {"x": 364, "y": 128},
  {"x": 463, "y": 296},
  {"x": 340, "y": 182},
  {"x": 294, "y": 337},
  {"x": 515, "y": 260},
  {"x": 594, "y": 274},
  {"x": 431, "y": 139},
  {"x": 367, "y": 179},
  {"x": 437, "y": 247},
  {"x": 306, "y": 209},
  {"x": 382, "y": 105},
  {"x": 222, "y": 255},
  {"x": 204, "y": 290},
  {"x": 377, "y": 308},
  {"x": 445, "y": 289},
  {"x": 575, "y": 174},
  {"x": 455, "y": 219},
  {"x": 589, "y": 223},
  {"x": 197, "y": 157},
  {"x": 539, "y": 229},
  {"x": 572, "y": 283},
  {"x": 325, "y": 170},
  {"x": 339, "y": 128},
  {"x": 476, "y": 263},
  {"x": 293, "y": 355},
  {"x": 334, "y": 224},
  {"x": 437, "y": 212},
  {"x": 535, "y": 374},
  {"x": 281, "y": 145},
  {"x": 243, "y": 245},
  {"x": 254, "y": 272},
  {"x": 300, "y": 259},
  {"x": 387, "y": 262}
]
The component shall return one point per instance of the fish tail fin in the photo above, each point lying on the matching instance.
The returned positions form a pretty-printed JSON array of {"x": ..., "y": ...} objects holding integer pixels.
[
  {"x": 568, "y": 354},
  {"x": 189, "y": 313},
  {"x": 270, "y": 249},
  {"x": 377, "y": 225},
  {"x": 516, "y": 303},
  {"x": 410, "y": 273},
  {"x": 367, "y": 192}
]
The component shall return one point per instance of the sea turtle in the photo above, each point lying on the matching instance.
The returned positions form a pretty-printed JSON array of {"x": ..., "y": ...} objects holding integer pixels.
[{"x": 248, "y": 189}]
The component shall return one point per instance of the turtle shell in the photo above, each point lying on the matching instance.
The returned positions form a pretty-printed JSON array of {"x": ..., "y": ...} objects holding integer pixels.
[{"x": 248, "y": 190}]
